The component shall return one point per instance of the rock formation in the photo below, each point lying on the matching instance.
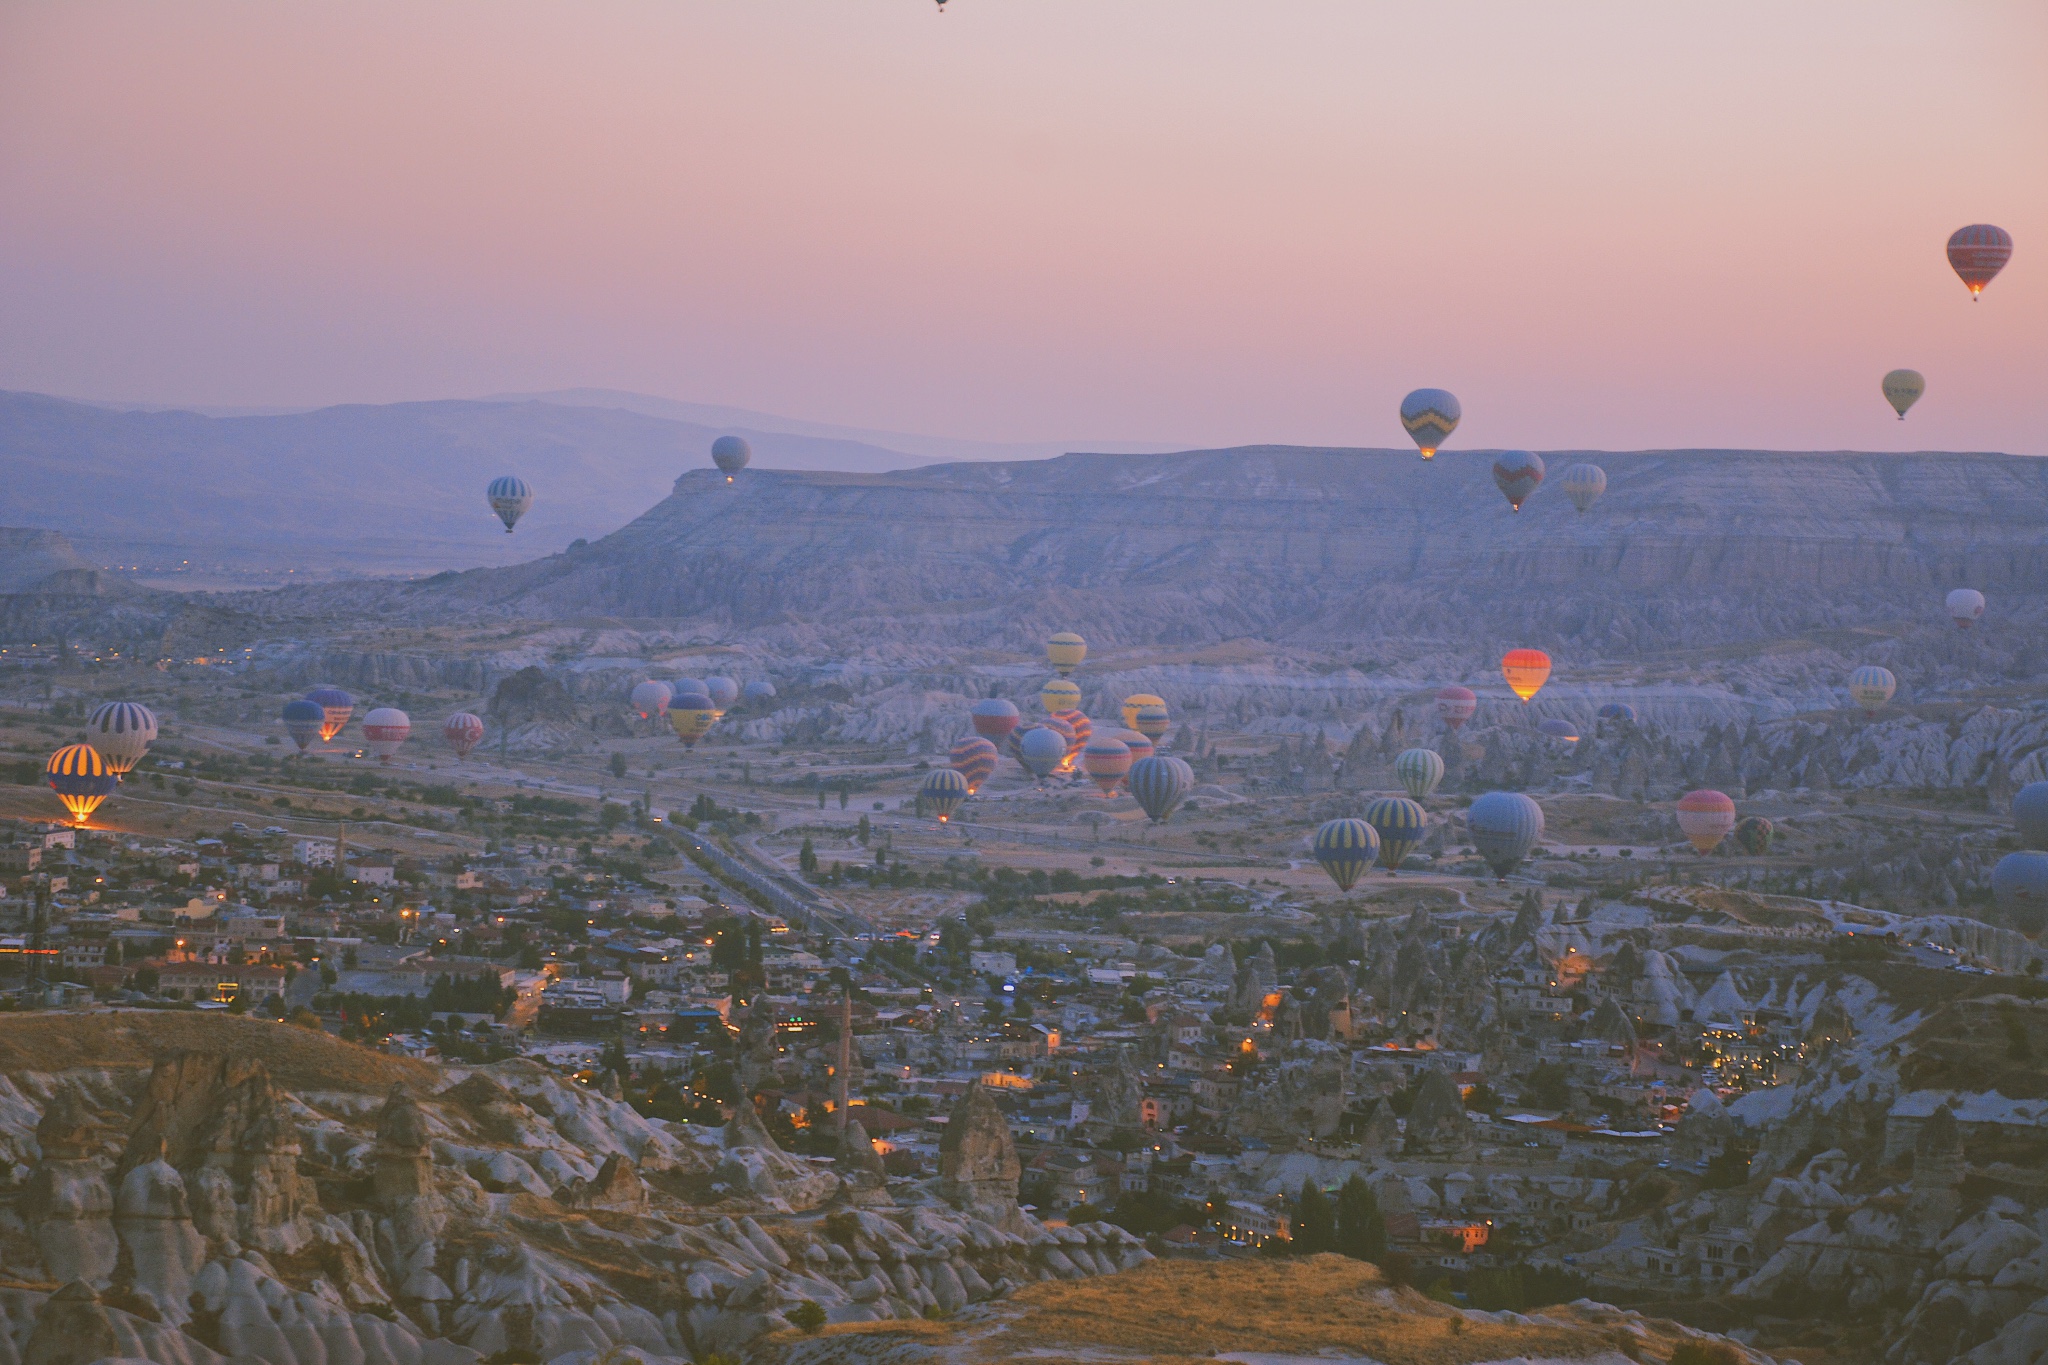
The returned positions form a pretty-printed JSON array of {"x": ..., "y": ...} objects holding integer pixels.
[{"x": 978, "y": 1165}]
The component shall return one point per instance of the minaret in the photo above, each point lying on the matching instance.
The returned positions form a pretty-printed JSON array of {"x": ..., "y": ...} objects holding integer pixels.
[{"x": 845, "y": 1059}]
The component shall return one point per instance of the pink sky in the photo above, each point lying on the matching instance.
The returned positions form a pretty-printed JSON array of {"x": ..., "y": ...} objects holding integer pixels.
[{"x": 1602, "y": 225}]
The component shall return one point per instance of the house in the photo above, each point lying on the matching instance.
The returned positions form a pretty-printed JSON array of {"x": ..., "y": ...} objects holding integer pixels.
[
  {"x": 200, "y": 981},
  {"x": 1253, "y": 1224}
]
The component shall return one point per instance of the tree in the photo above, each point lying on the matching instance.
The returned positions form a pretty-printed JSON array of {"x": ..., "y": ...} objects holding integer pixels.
[
  {"x": 842, "y": 797},
  {"x": 807, "y": 1317},
  {"x": 618, "y": 765},
  {"x": 1315, "y": 1224},
  {"x": 864, "y": 831},
  {"x": 807, "y": 856},
  {"x": 146, "y": 980},
  {"x": 113, "y": 958},
  {"x": 1547, "y": 1086},
  {"x": 1361, "y": 1228}
]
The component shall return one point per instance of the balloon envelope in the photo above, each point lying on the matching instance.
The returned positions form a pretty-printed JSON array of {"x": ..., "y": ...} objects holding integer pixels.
[
  {"x": 462, "y": 732},
  {"x": 1083, "y": 729},
  {"x": 1041, "y": 749},
  {"x": 1618, "y": 711},
  {"x": 303, "y": 721},
  {"x": 2030, "y": 814},
  {"x": 1456, "y": 704},
  {"x": 1526, "y": 670},
  {"x": 722, "y": 691},
  {"x": 1704, "y": 818},
  {"x": 1556, "y": 728},
  {"x": 1583, "y": 484},
  {"x": 1159, "y": 784},
  {"x": 1429, "y": 416},
  {"x": 2020, "y": 885},
  {"x": 1516, "y": 473},
  {"x": 1966, "y": 605},
  {"x": 1504, "y": 827},
  {"x": 1065, "y": 652},
  {"x": 993, "y": 717},
  {"x": 1872, "y": 687},
  {"x": 760, "y": 689},
  {"x": 1753, "y": 835},
  {"x": 1977, "y": 253},
  {"x": 338, "y": 706},
  {"x": 509, "y": 498},
  {"x": 691, "y": 715},
  {"x": 1152, "y": 722},
  {"x": 974, "y": 758},
  {"x": 651, "y": 699},
  {"x": 1346, "y": 848},
  {"x": 122, "y": 732},
  {"x": 1902, "y": 389},
  {"x": 943, "y": 789},
  {"x": 730, "y": 454},
  {"x": 1134, "y": 702},
  {"x": 384, "y": 729},
  {"x": 1400, "y": 824},
  {"x": 81, "y": 779},
  {"x": 1106, "y": 760},
  {"x": 1419, "y": 770},
  {"x": 1059, "y": 696}
]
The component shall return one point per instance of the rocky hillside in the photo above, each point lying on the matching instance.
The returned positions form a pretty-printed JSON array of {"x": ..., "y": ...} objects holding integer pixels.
[
  {"x": 1330, "y": 547},
  {"x": 188, "y": 1190}
]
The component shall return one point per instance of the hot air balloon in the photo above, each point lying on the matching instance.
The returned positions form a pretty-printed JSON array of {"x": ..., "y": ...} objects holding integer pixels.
[
  {"x": 1455, "y": 705},
  {"x": 1152, "y": 722},
  {"x": 691, "y": 715},
  {"x": 303, "y": 721},
  {"x": 1902, "y": 389},
  {"x": 2020, "y": 885},
  {"x": 2030, "y": 814},
  {"x": 1430, "y": 416},
  {"x": 337, "y": 707},
  {"x": 651, "y": 699},
  {"x": 1084, "y": 730},
  {"x": 1400, "y": 824},
  {"x": 1871, "y": 687},
  {"x": 1966, "y": 605},
  {"x": 1059, "y": 725},
  {"x": 974, "y": 758},
  {"x": 1065, "y": 652},
  {"x": 1139, "y": 744},
  {"x": 760, "y": 689},
  {"x": 731, "y": 454},
  {"x": 943, "y": 790},
  {"x": 1136, "y": 702},
  {"x": 1059, "y": 696},
  {"x": 1583, "y": 484},
  {"x": 1556, "y": 728},
  {"x": 1705, "y": 817},
  {"x": 1978, "y": 253},
  {"x": 685, "y": 686},
  {"x": 1159, "y": 784},
  {"x": 122, "y": 732},
  {"x": 1504, "y": 826},
  {"x": 1346, "y": 848},
  {"x": 1041, "y": 749},
  {"x": 1516, "y": 473},
  {"x": 462, "y": 732},
  {"x": 384, "y": 729},
  {"x": 723, "y": 693},
  {"x": 81, "y": 779},
  {"x": 1617, "y": 713},
  {"x": 1106, "y": 760},
  {"x": 993, "y": 718},
  {"x": 1526, "y": 670},
  {"x": 1753, "y": 835},
  {"x": 1419, "y": 770},
  {"x": 509, "y": 498}
]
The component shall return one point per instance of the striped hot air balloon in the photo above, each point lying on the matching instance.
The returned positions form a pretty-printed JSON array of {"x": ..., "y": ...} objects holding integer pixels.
[
  {"x": 1084, "y": 730},
  {"x": 650, "y": 699},
  {"x": 1977, "y": 253},
  {"x": 1400, "y": 823},
  {"x": 1346, "y": 848},
  {"x": 942, "y": 791},
  {"x": 1065, "y": 651},
  {"x": 302, "y": 721},
  {"x": 1516, "y": 473},
  {"x": 1106, "y": 760},
  {"x": 730, "y": 454},
  {"x": 993, "y": 718},
  {"x": 1041, "y": 749},
  {"x": 1429, "y": 416},
  {"x": 122, "y": 731},
  {"x": 81, "y": 779},
  {"x": 1526, "y": 670},
  {"x": 462, "y": 732},
  {"x": 336, "y": 707},
  {"x": 1134, "y": 702},
  {"x": 1705, "y": 817},
  {"x": 1455, "y": 705},
  {"x": 1871, "y": 687},
  {"x": 974, "y": 758},
  {"x": 1419, "y": 770},
  {"x": 1059, "y": 696},
  {"x": 384, "y": 729},
  {"x": 1159, "y": 784},
  {"x": 691, "y": 715},
  {"x": 1583, "y": 484},
  {"x": 1152, "y": 721},
  {"x": 1504, "y": 827},
  {"x": 509, "y": 498},
  {"x": 1139, "y": 745}
]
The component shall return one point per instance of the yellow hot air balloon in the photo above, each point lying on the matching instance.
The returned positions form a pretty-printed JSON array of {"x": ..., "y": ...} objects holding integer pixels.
[
  {"x": 1059, "y": 696},
  {"x": 1526, "y": 670},
  {"x": 1135, "y": 701},
  {"x": 81, "y": 779},
  {"x": 1065, "y": 652},
  {"x": 1902, "y": 389}
]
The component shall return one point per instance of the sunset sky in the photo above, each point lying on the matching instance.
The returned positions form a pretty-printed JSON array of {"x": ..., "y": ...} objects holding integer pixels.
[{"x": 1610, "y": 225}]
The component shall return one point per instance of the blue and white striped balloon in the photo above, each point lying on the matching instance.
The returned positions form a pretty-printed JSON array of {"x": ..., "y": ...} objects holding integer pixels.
[
  {"x": 1504, "y": 827},
  {"x": 509, "y": 498},
  {"x": 122, "y": 731}
]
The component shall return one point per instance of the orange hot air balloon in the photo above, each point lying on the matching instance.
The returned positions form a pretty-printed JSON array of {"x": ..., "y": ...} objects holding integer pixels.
[
  {"x": 1977, "y": 253},
  {"x": 1704, "y": 818},
  {"x": 1526, "y": 671}
]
